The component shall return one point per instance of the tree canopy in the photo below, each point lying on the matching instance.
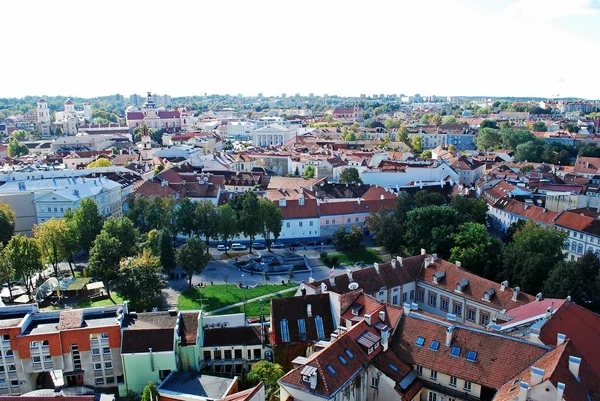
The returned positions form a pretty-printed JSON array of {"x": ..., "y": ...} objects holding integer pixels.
[
  {"x": 350, "y": 175},
  {"x": 192, "y": 258},
  {"x": 430, "y": 228},
  {"x": 139, "y": 281},
  {"x": 7, "y": 223}
]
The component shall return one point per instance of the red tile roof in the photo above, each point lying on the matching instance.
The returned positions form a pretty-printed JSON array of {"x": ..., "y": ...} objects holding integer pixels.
[
  {"x": 290, "y": 183},
  {"x": 189, "y": 328},
  {"x": 476, "y": 287},
  {"x": 582, "y": 328},
  {"x": 587, "y": 165},
  {"x": 573, "y": 221},
  {"x": 154, "y": 188},
  {"x": 529, "y": 212},
  {"x": 532, "y": 310},
  {"x": 498, "y": 358},
  {"x": 293, "y": 210},
  {"x": 135, "y": 115},
  {"x": 245, "y": 395},
  {"x": 169, "y": 114},
  {"x": 353, "y": 206}
]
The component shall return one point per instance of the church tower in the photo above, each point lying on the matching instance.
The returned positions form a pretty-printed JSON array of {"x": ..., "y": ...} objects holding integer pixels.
[
  {"x": 146, "y": 140},
  {"x": 69, "y": 107},
  {"x": 43, "y": 118}
]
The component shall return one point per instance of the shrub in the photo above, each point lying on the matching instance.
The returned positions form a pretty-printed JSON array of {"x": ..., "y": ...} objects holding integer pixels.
[{"x": 323, "y": 255}]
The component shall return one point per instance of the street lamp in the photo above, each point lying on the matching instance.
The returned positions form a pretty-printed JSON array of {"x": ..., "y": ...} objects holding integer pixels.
[
  {"x": 242, "y": 281},
  {"x": 321, "y": 247}
]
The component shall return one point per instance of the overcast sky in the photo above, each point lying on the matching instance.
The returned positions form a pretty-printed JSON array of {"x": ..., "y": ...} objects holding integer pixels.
[{"x": 459, "y": 47}]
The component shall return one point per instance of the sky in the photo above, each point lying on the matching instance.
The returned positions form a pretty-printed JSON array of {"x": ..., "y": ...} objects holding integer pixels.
[{"x": 541, "y": 48}]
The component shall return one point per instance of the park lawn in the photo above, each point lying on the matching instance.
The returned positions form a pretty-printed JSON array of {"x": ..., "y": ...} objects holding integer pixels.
[
  {"x": 253, "y": 308},
  {"x": 220, "y": 295},
  {"x": 88, "y": 303},
  {"x": 365, "y": 255}
]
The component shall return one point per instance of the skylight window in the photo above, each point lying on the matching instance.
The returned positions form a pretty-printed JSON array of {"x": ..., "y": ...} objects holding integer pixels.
[
  {"x": 471, "y": 356},
  {"x": 420, "y": 341},
  {"x": 435, "y": 345},
  {"x": 320, "y": 330},
  {"x": 393, "y": 367},
  {"x": 285, "y": 333},
  {"x": 331, "y": 370},
  {"x": 342, "y": 360},
  {"x": 349, "y": 353},
  {"x": 455, "y": 351},
  {"x": 302, "y": 329}
]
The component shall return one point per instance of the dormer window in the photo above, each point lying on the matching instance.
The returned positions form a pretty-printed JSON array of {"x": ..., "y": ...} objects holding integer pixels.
[
  {"x": 307, "y": 372},
  {"x": 438, "y": 276},
  {"x": 356, "y": 308},
  {"x": 488, "y": 294},
  {"x": 461, "y": 285}
]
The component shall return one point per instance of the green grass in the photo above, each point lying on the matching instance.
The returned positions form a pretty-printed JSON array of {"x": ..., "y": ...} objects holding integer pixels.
[
  {"x": 89, "y": 303},
  {"x": 253, "y": 308},
  {"x": 365, "y": 255},
  {"x": 218, "y": 296}
]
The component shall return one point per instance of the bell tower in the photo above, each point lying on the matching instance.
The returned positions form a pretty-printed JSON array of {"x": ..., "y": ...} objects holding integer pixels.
[{"x": 43, "y": 118}]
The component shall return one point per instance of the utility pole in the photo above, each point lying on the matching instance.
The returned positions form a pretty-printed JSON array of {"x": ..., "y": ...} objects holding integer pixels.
[{"x": 201, "y": 302}]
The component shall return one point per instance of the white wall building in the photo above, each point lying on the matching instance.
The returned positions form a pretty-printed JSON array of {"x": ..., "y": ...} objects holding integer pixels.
[{"x": 274, "y": 134}]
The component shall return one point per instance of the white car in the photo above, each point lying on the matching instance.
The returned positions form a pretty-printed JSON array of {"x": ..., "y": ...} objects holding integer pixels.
[
  {"x": 238, "y": 247},
  {"x": 222, "y": 248}
]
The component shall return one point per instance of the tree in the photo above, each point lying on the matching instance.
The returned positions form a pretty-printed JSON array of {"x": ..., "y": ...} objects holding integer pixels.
[
  {"x": 192, "y": 258},
  {"x": 24, "y": 256},
  {"x": 526, "y": 169},
  {"x": 350, "y": 175},
  {"x": 529, "y": 151},
  {"x": 512, "y": 138},
  {"x": 166, "y": 251},
  {"x": 51, "y": 236},
  {"x": 388, "y": 228},
  {"x": 402, "y": 134},
  {"x": 19, "y": 135},
  {"x": 268, "y": 373},
  {"x": 150, "y": 393},
  {"x": 184, "y": 215},
  {"x": 416, "y": 144},
  {"x": 271, "y": 218},
  {"x": 347, "y": 240},
  {"x": 228, "y": 223},
  {"x": 15, "y": 149},
  {"x": 104, "y": 258},
  {"x": 139, "y": 280},
  {"x": 7, "y": 223},
  {"x": 470, "y": 209},
  {"x": 7, "y": 271},
  {"x": 512, "y": 230},
  {"x": 122, "y": 229},
  {"x": 426, "y": 198},
  {"x": 100, "y": 162},
  {"x": 248, "y": 215},
  {"x": 476, "y": 250},
  {"x": 430, "y": 228},
  {"x": 488, "y": 124},
  {"x": 426, "y": 154},
  {"x": 87, "y": 222},
  {"x": 580, "y": 280},
  {"x": 540, "y": 126},
  {"x": 309, "y": 172},
  {"x": 534, "y": 251},
  {"x": 206, "y": 221},
  {"x": 390, "y": 123},
  {"x": 488, "y": 139},
  {"x": 449, "y": 120},
  {"x": 436, "y": 120}
]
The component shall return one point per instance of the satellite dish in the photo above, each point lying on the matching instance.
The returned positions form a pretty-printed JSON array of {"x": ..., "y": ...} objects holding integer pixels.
[
  {"x": 353, "y": 286},
  {"x": 205, "y": 179}
]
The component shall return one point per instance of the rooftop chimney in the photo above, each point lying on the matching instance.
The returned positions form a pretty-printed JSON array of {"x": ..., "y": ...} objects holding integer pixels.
[
  {"x": 458, "y": 263},
  {"x": 503, "y": 285},
  {"x": 524, "y": 388},
  {"x": 368, "y": 318},
  {"x": 574, "y": 364},
  {"x": 332, "y": 281},
  {"x": 313, "y": 380},
  {"x": 560, "y": 387},
  {"x": 449, "y": 331},
  {"x": 548, "y": 312},
  {"x": 538, "y": 297},
  {"x": 349, "y": 273},
  {"x": 434, "y": 257},
  {"x": 393, "y": 261},
  {"x": 414, "y": 306},
  {"x": 385, "y": 335},
  {"x": 516, "y": 293},
  {"x": 376, "y": 266},
  {"x": 537, "y": 375},
  {"x": 400, "y": 260},
  {"x": 323, "y": 288},
  {"x": 406, "y": 308},
  {"x": 423, "y": 252},
  {"x": 382, "y": 316},
  {"x": 560, "y": 339}
]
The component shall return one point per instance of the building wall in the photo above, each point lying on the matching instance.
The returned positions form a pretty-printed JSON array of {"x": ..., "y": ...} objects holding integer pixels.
[
  {"x": 24, "y": 209},
  {"x": 444, "y": 380},
  {"x": 392, "y": 179},
  {"x": 329, "y": 224},
  {"x": 141, "y": 368},
  {"x": 380, "y": 387},
  {"x": 300, "y": 228}
]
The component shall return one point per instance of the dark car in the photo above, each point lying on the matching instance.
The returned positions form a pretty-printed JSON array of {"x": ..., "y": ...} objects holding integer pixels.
[
  {"x": 258, "y": 245},
  {"x": 296, "y": 244}
]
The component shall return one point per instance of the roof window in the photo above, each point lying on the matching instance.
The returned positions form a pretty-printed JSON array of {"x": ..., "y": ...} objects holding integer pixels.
[
  {"x": 342, "y": 360},
  {"x": 455, "y": 351},
  {"x": 435, "y": 345},
  {"x": 420, "y": 341},
  {"x": 471, "y": 356},
  {"x": 331, "y": 370}
]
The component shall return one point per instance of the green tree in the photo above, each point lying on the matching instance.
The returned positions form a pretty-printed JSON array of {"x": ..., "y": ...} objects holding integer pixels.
[
  {"x": 426, "y": 198},
  {"x": 476, "y": 250},
  {"x": 7, "y": 223},
  {"x": 390, "y": 123},
  {"x": 309, "y": 172},
  {"x": 122, "y": 229},
  {"x": 206, "y": 221},
  {"x": 488, "y": 139},
  {"x": 350, "y": 175},
  {"x": 166, "y": 251},
  {"x": 16, "y": 149},
  {"x": 470, "y": 209},
  {"x": 192, "y": 258},
  {"x": 534, "y": 251},
  {"x": 248, "y": 215},
  {"x": 185, "y": 212},
  {"x": 579, "y": 280},
  {"x": 347, "y": 240},
  {"x": 529, "y": 151},
  {"x": 100, "y": 162},
  {"x": 51, "y": 236},
  {"x": 271, "y": 218},
  {"x": 540, "y": 126},
  {"x": 151, "y": 242},
  {"x": 136, "y": 212},
  {"x": 87, "y": 222},
  {"x": 20, "y": 135},
  {"x": 426, "y": 154},
  {"x": 24, "y": 256},
  {"x": 150, "y": 393},
  {"x": 512, "y": 230},
  {"x": 268, "y": 373},
  {"x": 430, "y": 228},
  {"x": 488, "y": 124},
  {"x": 436, "y": 120},
  {"x": 416, "y": 144},
  {"x": 512, "y": 138},
  {"x": 228, "y": 227},
  {"x": 526, "y": 169},
  {"x": 388, "y": 228},
  {"x": 402, "y": 134},
  {"x": 449, "y": 120},
  {"x": 7, "y": 271},
  {"x": 104, "y": 258},
  {"x": 139, "y": 281}
]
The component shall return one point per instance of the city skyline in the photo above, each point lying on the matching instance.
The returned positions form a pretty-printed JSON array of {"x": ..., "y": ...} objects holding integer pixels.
[{"x": 430, "y": 47}]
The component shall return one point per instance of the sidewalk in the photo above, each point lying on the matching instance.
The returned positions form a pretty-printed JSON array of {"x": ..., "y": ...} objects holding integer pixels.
[{"x": 252, "y": 300}]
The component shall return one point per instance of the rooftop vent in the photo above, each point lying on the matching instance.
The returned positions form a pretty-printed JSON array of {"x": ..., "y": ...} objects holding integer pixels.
[
  {"x": 503, "y": 285},
  {"x": 516, "y": 293}
]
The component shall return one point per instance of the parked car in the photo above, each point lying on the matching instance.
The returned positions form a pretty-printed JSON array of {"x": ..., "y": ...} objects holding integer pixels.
[
  {"x": 238, "y": 247},
  {"x": 222, "y": 248},
  {"x": 277, "y": 245},
  {"x": 296, "y": 244},
  {"x": 258, "y": 245}
]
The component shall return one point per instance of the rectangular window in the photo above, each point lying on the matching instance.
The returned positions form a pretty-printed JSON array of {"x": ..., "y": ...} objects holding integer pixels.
[
  {"x": 453, "y": 381},
  {"x": 320, "y": 329},
  {"x": 110, "y": 380},
  {"x": 257, "y": 354},
  {"x": 404, "y": 296},
  {"x": 285, "y": 333},
  {"x": 299, "y": 224},
  {"x": 327, "y": 222},
  {"x": 433, "y": 375},
  {"x": 419, "y": 370},
  {"x": 227, "y": 354},
  {"x": 432, "y": 299},
  {"x": 310, "y": 223},
  {"x": 97, "y": 366},
  {"x": 95, "y": 351},
  {"x": 432, "y": 396},
  {"x": 467, "y": 386},
  {"x": 208, "y": 355},
  {"x": 14, "y": 383},
  {"x": 412, "y": 294},
  {"x": 484, "y": 319},
  {"x": 37, "y": 359},
  {"x": 302, "y": 329},
  {"x": 471, "y": 314},
  {"x": 420, "y": 295},
  {"x": 108, "y": 365},
  {"x": 106, "y": 350},
  {"x": 395, "y": 300},
  {"x": 99, "y": 381},
  {"x": 349, "y": 220},
  {"x": 457, "y": 310},
  {"x": 287, "y": 224},
  {"x": 238, "y": 354},
  {"x": 217, "y": 355},
  {"x": 374, "y": 382},
  {"x": 444, "y": 304}
]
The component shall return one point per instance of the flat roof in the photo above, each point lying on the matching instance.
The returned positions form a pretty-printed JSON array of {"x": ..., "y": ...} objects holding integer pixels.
[{"x": 195, "y": 384}]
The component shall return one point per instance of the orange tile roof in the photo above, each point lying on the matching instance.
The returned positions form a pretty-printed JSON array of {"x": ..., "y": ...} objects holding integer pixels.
[
  {"x": 530, "y": 212},
  {"x": 352, "y": 206},
  {"x": 587, "y": 165},
  {"x": 573, "y": 221}
]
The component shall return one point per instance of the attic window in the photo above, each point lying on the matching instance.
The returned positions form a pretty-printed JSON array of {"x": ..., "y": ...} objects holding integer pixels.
[
  {"x": 331, "y": 370},
  {"x": 472, "y": 356},
  {"x": 356, "y": 308},
  {"x": 393, "y": 367},
  {"x": 349, "y": 353},
  {"x": 434, "y": 346},
  {"x": 420, "y": 341},
  {"x": 455, "y": 351},
  {"x": 342, "y": 360},
  {"x": 320, "y": 330},
  {"x": 302, "y": 329},
  {"x": 285, "y": 333}
]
